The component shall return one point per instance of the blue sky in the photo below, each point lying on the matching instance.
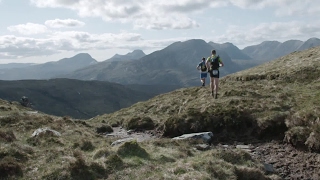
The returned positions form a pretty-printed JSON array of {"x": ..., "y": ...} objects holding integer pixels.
[{"x": 39, "y": 31}]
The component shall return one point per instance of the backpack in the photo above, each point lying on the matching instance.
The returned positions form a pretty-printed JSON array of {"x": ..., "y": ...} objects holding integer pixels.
[
  {"x": 215, "y": 63},
  {"x": 203, "y": 66}
]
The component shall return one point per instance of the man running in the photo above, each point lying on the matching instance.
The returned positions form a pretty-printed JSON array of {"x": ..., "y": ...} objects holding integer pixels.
[
  {"x": 202, "y": 67},
  {"x": 213, "y": 63}
]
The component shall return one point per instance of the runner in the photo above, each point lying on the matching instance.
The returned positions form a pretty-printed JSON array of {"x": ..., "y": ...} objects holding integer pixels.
[
  {"x": 203, "y": 71},
  {"x": 213, "y": 63}
]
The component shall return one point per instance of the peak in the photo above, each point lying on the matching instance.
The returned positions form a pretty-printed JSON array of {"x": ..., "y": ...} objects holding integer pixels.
[
  {"x": 83, "y": 55},
  {"x": 313, "y": 39}
]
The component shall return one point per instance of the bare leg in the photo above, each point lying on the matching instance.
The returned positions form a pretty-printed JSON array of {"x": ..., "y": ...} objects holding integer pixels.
[
  {"x": 216, "y": 87},
  {"x": 212, "y": 84}
]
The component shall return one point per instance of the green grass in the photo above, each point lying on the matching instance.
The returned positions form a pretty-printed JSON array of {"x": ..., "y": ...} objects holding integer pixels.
[{"x": 275, "y": 101}]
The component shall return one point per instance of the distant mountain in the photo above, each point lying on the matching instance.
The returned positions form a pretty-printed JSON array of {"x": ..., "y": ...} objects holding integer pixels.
[
  {"x": 67, "y": 97},
  {"x": 15, "y": 65},
  {"x": 233, "y": 51},
  {"x": 134, "y": 55},
  {"x": 49, "y": 69},
  {"x": 263, "y": 51},
  {"x": 173, "y": 65},
  {"x": 312, "y": 42},
  {"x": 269, "y": 50}
]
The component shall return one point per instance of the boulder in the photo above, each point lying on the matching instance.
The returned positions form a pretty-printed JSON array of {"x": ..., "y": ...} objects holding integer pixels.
[
  {"x": 205, "y": 136},
  {"x": 45, "y": 132}
]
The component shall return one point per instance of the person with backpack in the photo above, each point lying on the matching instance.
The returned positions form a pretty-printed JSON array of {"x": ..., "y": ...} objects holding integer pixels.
[
  {"x": 213, "y": 63},
  {"x": 202, "y": 67}
]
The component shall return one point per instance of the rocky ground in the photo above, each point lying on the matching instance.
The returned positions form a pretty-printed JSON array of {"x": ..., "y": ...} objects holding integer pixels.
[
  {"x": 285, "y": 160},
  {"x": 289, "y": 162}
]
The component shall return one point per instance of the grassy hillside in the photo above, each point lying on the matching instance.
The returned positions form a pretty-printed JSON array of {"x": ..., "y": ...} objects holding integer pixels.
[
  {"x": 75, "y": 150},
  {"x": 279, "y": 99}
]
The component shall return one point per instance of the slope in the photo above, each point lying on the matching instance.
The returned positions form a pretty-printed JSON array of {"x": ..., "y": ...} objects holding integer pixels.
[
  {"x": 49, "y": 69},
  {"x": 276, "y": 100}
]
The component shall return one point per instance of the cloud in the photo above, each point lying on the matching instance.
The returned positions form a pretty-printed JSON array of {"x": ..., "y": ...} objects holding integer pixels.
[
  {"x": 18, "y": 47},
  {"x": 61, "y": 23},
  {"x": 172, "y": 14},
  {"x": 280, "y": 31},
  {"x": 28, "y": 29},
  {"x": 149, "y": 14}
]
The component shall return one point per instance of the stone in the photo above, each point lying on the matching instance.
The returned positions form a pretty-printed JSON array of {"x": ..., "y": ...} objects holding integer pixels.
[
  {"x": 45, "y": 131},
  {"x": 268, "y": 168},
  {"x": 120, "y": 141},
  {"x": 205, "y": 136}
]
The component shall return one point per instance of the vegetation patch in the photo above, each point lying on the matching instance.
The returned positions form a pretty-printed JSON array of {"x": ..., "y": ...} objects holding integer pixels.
[
  {"x": 132, "y": 148},
  {"x": 104, "y": 129},
  {"x": 10, "y": 167},
  {"x": 247, "y": 173},
  {"x": 87, "y": 145},
  {"x": 7, "y": 136},
  {"x": 114, "y": 162},
  {"x": 219, "y": 120},
  {"x": 238, "y": 157},
  {"x": 140, "y": 123}
]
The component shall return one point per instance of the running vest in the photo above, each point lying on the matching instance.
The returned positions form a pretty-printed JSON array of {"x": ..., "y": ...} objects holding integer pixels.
[
  {"x": 203, "y": 66},
  {"x": 214, "y": 63}
]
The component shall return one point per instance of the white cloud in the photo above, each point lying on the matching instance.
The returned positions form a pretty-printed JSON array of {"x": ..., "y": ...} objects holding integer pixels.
[
  {"x": 17, "y": 47},
  {"x": 28, "y": 29},
  {"x": 171, "y": 14},
  {"x": 150, "y": 14},
  {"x": 61, "y": 23},
  {"x": 280, "y": 31}
]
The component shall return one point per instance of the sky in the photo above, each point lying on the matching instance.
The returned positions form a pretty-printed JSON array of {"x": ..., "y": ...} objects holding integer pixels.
[{"x": 38, "y": 31}]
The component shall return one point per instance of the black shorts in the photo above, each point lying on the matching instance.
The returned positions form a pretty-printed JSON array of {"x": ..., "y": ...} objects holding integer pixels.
[{"x": 214, "y": 73}]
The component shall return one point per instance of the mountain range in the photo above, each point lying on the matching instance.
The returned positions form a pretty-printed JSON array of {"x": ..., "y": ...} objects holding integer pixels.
[
  {"x": 47, "y": 70},
  {"x": 142, "y": 76},
  {"x": 172, "y": 65}
]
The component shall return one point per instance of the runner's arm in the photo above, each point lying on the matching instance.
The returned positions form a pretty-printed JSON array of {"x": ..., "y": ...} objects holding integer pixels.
[
  {"x": 221, "y": 62},
  {"x": 208, "y": 64},
  {"x": 198, "y": 67}
]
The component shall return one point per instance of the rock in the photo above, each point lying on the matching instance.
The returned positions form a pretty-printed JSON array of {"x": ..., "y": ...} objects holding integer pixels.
[
  {"x": 45, "y": 131},
  {"x": 268, "y": 168},
  {"x": 205, "y": 136},
  {"x": 120, "y": 141}
]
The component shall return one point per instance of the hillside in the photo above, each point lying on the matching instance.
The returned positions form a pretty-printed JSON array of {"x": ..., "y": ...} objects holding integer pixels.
[
  {"x": 276, "y": 101},
  {"x": 75, "y": 98},
  {"x": 269, "y": 108},
  {"x": 271, "y": 94},
  {"x": 48, "y": 70}
]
